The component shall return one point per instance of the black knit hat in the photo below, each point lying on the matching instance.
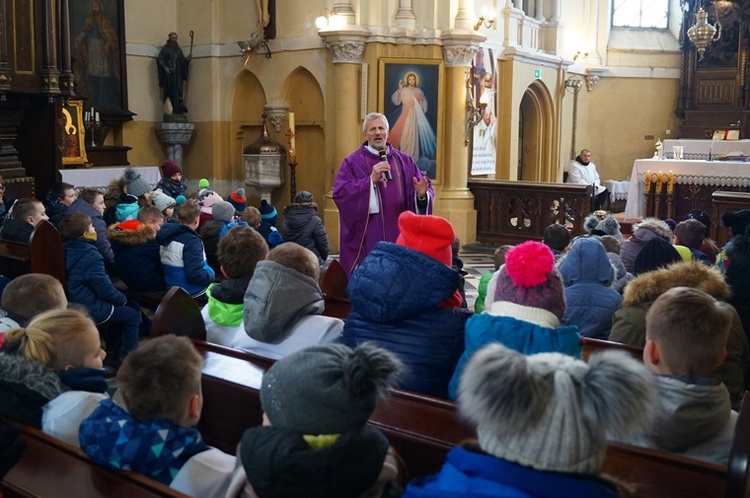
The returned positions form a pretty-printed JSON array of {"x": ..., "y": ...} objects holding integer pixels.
[{"x": 656, "y": 253}]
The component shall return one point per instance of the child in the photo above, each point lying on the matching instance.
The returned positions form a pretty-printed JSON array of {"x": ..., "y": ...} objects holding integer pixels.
[
  {"x": 238, "y": 199},
  {"x": 137, "y": 254},
  {"x": 59, "y": 198},
  {"x": 557, "y": 238},
  {"x": 686, "y": 337},
  {"x": 239, "y": 252},
  {"x": 156, "y": 436},
  {"x": 206, "y": 200},
  {"x": 171, "y": 182},
  {"x": 303, "y": 226},
  {"x": 136, "y": 193},
  {"x": 26, "y": 214},
  {"x": 690, "y": 233},
  {"x": 314, "y": 440},
  {"x": 499, "y": 260},
  {"x": 182, "y": 252},
  {"x": 88, "y": 284},
  {"x": 222, "y": 214},
  {"x": 27, "y": 296},
  {"x": 622, "y": 276},
  {"x": 283, "y": 303},
  {"x": 590, "y": 299},
  {"x": 91, "y": 203},
  {"x": 405, "y": 298},
  {"x": 165, "y": 204},
  {"x": 526, "y": 311},
  {"x": 542, "y": 423},
  {"x": 51, "y": 374},
  {"x": 253, "y": 218}
]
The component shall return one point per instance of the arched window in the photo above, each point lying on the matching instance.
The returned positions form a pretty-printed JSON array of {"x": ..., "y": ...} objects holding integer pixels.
[{"x": 640, "y": 13}]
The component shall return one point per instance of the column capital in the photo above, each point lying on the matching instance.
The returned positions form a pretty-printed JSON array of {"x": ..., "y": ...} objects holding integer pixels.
[
  {"x": 460, "y": 46},
  {"x": 346, "y": 45},
  {"x": 276, "y": 112}
]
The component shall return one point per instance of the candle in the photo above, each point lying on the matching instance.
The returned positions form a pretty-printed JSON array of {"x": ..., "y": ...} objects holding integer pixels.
[
  {"x": 97, "y": 116},
  {"x": 86, "y": 117},
  {"x": 292, "y": 139}
]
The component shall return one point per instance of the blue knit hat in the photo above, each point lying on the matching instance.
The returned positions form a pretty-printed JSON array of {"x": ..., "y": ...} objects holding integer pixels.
[
  {"x": 268, "y": 212},
  {"x": 238, "y": 199}
]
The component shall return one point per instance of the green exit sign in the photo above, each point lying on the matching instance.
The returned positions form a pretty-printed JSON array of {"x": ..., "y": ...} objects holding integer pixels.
[{"x": 538, "y": 74}]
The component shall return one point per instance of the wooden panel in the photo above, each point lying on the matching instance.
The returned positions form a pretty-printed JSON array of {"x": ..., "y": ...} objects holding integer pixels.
[
  {"x": 716, "y": 91},
  {"x": 723, "y": 201}
]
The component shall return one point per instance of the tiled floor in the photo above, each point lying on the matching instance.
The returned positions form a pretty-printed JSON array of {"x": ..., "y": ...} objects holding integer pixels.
[{"x": 476, "y": 264}]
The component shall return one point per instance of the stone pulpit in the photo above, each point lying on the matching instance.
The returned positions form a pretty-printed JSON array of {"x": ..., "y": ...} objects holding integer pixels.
[{"x": 265, "y": 161}]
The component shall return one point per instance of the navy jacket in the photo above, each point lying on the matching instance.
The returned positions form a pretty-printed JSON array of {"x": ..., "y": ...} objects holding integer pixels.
[
  {"x": 184, "y": 259},
  {"x": 87, "y": 281},
  {"x": 395, "y": 294},
  {"x": 137, "y": 258},
  {"x": 97, "y": 220},
  {"x": 303, "y": 226}
]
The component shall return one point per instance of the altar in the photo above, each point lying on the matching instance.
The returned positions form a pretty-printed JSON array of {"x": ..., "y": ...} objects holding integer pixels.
[
  {"x": 702, "y": 149},
  {"x": 100, "y": 177},
  {"x": 694, "y": 182}
]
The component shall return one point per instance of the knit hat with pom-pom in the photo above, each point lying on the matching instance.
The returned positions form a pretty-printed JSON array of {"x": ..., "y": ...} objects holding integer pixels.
[
  {"x": 135, "y": 184},
  {"x": 556, "y": 411},
  {"x": 530, "y": 281},
  {"x": 238, "y": 199},
  {"x": 328, "y": 389}
]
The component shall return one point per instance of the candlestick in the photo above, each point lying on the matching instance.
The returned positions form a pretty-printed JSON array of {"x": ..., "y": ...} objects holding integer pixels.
[{"x": 97, "y": 117}]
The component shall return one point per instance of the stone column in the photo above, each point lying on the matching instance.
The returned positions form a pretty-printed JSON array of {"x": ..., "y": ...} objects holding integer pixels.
[
  {"x": 346, "y": 47},
  {"x": 454, "y": 200},
  {"x": 405, "y": 17},
  {"x": 174, "y": 136}
]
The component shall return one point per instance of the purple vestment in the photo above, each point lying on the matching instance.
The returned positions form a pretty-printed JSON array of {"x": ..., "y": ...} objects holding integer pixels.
[{"x": 359, "y": 230}]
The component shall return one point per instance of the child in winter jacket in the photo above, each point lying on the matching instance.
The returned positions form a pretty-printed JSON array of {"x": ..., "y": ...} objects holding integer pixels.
[
  {"x": 156, "y": 436},
  {"x": 303, "y": 226},
  {"x": 51, "y": 374}
]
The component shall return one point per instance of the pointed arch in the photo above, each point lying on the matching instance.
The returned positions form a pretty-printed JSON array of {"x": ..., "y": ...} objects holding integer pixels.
[{"x": 536, "y": 130}]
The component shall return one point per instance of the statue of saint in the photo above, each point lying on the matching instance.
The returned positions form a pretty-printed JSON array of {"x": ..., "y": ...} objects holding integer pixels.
[{"x": 173, "y": 72}]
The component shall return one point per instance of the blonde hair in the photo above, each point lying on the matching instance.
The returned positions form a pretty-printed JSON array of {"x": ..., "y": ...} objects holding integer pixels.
[{"x": 52, "y": 338}]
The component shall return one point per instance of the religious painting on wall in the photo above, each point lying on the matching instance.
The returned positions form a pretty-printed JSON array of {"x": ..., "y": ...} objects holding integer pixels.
[
  {"x": 484, "y": 137},
  {"x": 98, "y": 53},
  {"x": 410, "y": 93},
  {"x": 71, "y": 129}
]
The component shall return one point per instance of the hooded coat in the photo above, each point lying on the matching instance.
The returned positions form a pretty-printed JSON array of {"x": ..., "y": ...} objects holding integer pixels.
[
  {"x": 395, "y": 295},
  {"x": 303, "y": 226},
  {"x": 629, "y": 323},
  {"x": 692, "y": 419},
  {"x": 282, "y": 313},
  {"x": 590, "y": 299},
  {"x": 25, "y": 387},
  {"x": 137, "y": 258},
  {"x": 643, "y": 232}
]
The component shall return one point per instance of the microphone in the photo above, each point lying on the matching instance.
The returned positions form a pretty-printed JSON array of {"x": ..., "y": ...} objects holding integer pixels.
[{"x": 384, "y": 157}]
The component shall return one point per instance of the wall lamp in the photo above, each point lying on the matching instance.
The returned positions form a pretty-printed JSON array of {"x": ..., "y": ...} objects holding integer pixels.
[
  {"x": 474, "y": 114},
  {"x": 574, "y": 83},
  {"x": 486, "y": 19},
  {"x": 329, "y": 20}
]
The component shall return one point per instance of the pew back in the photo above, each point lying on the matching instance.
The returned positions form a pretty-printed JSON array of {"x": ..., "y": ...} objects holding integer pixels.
[
  {"x": 593, "y": 345},
  {"x": 44, "y": 253},
  {"x": 333, "y": 283},
  {"x": 178, "y": 314},
  {"x": 50, "y": 467}
]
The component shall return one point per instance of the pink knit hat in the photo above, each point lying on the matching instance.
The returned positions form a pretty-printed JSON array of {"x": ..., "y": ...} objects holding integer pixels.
[{"x": 529, "y": 278}]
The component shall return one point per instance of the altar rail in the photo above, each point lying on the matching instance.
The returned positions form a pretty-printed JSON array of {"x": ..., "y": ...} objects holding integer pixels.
[{"x": 510, "y": 212}]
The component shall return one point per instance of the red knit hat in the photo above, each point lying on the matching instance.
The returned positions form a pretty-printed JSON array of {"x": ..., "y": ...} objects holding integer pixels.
[
  {"x": 430, "y": 235},
  {"x": 169, "y": 168}
]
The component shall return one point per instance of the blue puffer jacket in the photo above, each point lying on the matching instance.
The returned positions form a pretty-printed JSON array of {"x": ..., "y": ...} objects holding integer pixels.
[
  {"x": 395, "y": 294},
  {"x": 524, "y": 337},
  {"x": 184, "y": 259},
  {"x": 137, "y": 257},
  {"x": 591, "y": 301},
  {"x": 87, "y": 281},
  {"x": 470, "y": 474}
]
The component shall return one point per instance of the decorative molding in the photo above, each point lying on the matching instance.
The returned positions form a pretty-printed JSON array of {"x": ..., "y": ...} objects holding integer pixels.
[
  {"x": 591, "y": 81},
  {"x": 459, "y": 47},
  {"x": 276, "y": 114},
  {"x": 346, "y": 45}
]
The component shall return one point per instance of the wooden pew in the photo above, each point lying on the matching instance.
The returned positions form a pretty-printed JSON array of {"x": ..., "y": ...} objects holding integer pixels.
[
  {"x": 333, "y": 281},
  {"x": 424, "y": 429},
  {"x": 593, "y": 345},
  {"x": 738, "y": 482},
  {"x": 178, "y": 314},
  {"x": 43, "y": 254},
  {"x": 50, "y": 467}
]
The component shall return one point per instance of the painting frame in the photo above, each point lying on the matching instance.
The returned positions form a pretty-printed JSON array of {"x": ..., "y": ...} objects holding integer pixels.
[
  {"x": 428, "y": 88},
  {"x": 72, "y": 130},
  {"x": 106, "y": 91}
]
